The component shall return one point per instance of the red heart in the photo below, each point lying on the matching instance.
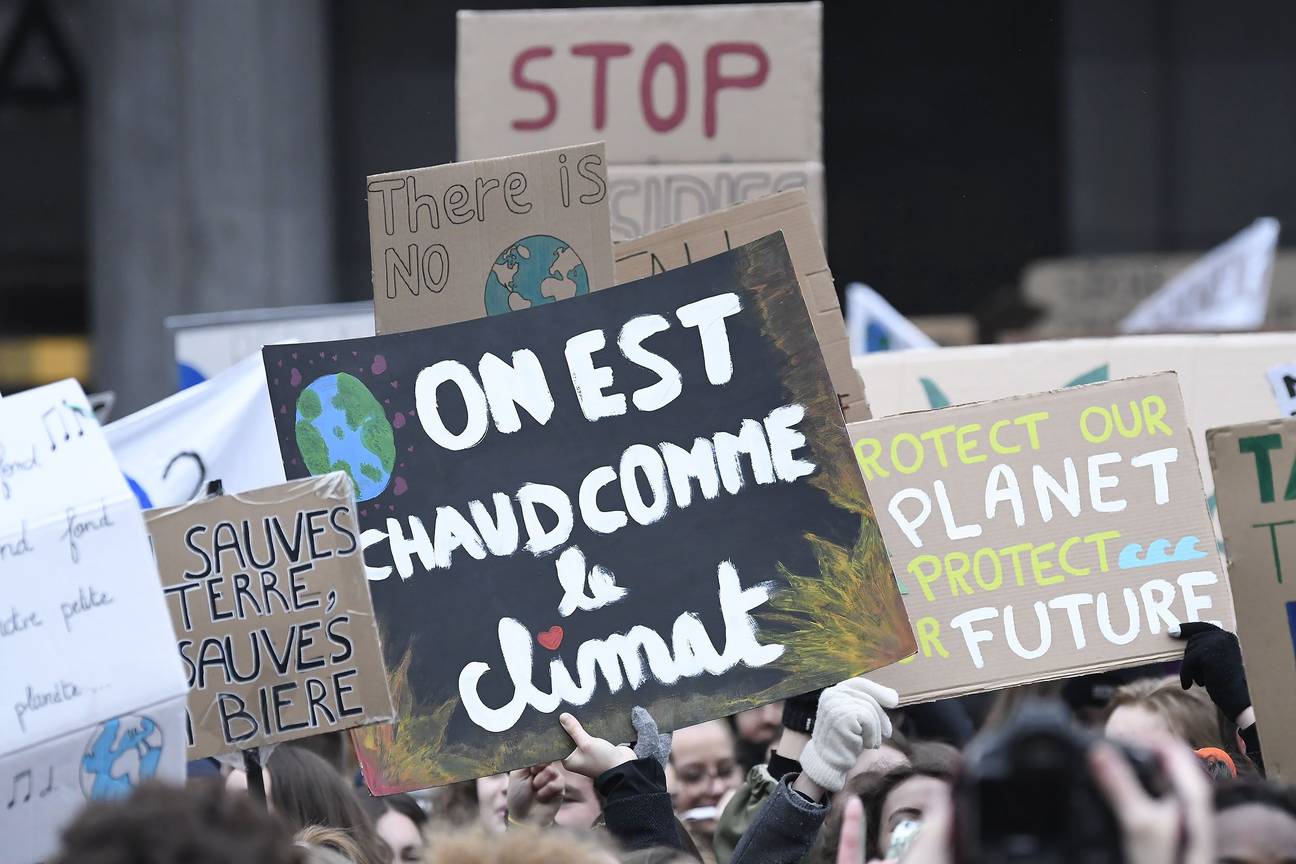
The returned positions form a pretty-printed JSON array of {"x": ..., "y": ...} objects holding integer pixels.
[{"x": 551, "y": 638}]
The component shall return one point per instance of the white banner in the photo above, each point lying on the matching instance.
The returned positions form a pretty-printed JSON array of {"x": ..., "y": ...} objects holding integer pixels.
[
  {"x": 1226, "y": 289},
  {"x": 221, "y": 429},
  {"x": 873, "y": 324},
  {"x": 91, "y": 686}
]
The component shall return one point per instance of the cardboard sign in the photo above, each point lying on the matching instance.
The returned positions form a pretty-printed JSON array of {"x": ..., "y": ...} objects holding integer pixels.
[
  {"x": 220, "y": 428},
  {"x": 1043, "y": 536},
  {"x": 272, "y": 614},
  {"x": 1223, "y": 378},
  {"x": 1254, "y": 468},
  {"x": 643, "y": 498},
  {"x": 647, "y": 198},
  {"x": 673, "y": 84},
  {"x": 91, "y": 691},
  {"x": 709, "y": 235},
  {"x": 471, "y": 239},
  {"x": 209, "y": 343},
  {"x": 1228, "y": 289}
]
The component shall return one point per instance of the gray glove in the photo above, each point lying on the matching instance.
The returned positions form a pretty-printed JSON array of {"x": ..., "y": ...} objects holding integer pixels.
[{"x": 648, "y": 741}]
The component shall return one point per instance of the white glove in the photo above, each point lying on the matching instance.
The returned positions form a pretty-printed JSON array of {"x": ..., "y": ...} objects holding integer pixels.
[{"x": 849, "y": 721}]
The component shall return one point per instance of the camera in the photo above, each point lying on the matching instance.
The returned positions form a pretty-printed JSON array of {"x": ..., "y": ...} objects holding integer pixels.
[{"x": 1026, "y": 793}]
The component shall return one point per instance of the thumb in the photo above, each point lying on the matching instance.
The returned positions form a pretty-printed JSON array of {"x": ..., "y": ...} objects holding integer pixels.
[
  {"x": 574, "y": 730},
  {"x": 1189, "y": 629},
  {"x": 850, "y": 845}
]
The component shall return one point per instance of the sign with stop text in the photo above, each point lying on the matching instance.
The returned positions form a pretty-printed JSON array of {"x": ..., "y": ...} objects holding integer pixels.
[
  {"x": 1255, "y": 486},
  {"x": 272, "y": 614},
  {"x": 472, "y": 239},
  {"x": 644, "y": 497},
  {"x": 1043, "y": 536},
  {"x": 736, "y": 83}
]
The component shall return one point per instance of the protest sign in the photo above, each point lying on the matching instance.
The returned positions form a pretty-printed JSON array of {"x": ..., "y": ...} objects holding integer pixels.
[
  {"x": 209, "y": 343},
  {"x": 1227, "y": 289},
  {"x": 671, "y": 451},
  {"x": 92, "y": 694},
  {"x": 709, "y": 235},
  {"x": 1255, "y": 484},
  {"x": 646, "y": 198},
  {"x": 698, "y": 84},
  {"x": 219, "y": 429},
  {"x": 1223, "y": 378},
  {"x": 272, "y": 614},
  {"x": 873, "y": 324},
  {"x": 1042, "y": 537},
  {"x": 472, "y": 239}
]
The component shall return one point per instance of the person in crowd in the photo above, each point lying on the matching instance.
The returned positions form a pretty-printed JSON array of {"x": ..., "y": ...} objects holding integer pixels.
[
  {"x": 703, "y": 769},
  {"x": 197, "y": 824},
  {"x": 399, "y": 821},
  {"x": 822, "y": 741},
  {"x": 492, "y": 801},
  {"x": 1255, "y": 823},
  {"x": 1152, "y": 707},
  {"x": 757, "y": 730},
  {"x": 304, "y": 790}
]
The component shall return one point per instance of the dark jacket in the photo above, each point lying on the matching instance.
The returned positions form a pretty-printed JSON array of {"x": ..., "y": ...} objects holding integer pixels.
[
  {"x": 637, "y": 808},
  {"x": 782, "y": 831}
]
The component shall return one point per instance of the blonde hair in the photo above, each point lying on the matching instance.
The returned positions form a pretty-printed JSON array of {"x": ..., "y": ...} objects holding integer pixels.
[
  {"x": 325, "y": 845},
  {"x": 1189, "y": 713},
  {"x": 515, "y": 846}
]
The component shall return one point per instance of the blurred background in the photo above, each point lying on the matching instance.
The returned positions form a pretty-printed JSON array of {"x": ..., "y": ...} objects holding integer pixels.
[{"x": 179, "y": 156}]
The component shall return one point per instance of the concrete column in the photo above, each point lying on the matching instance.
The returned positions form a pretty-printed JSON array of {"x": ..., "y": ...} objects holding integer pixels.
[{"x": 209, "y": 172}]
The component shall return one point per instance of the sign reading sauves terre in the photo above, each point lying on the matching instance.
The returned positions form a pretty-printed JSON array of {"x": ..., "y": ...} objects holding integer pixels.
[{"x": 641, "y": 496}]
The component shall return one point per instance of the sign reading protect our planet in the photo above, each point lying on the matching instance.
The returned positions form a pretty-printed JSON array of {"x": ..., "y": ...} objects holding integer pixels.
[
  {"x": 1255, "y": 484},
  {"x": 471, "y": 239},
  {"x": 641, "y": 494},
  {"x": 1043, "y": 536}
]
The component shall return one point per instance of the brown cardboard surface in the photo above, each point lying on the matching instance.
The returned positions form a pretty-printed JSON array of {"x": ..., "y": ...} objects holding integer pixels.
[
  {"x": 645, "y": 198},
  {"x": 664, "y": 84},
  {"x": 441, "y": 239},
  {"x": 269, "y": 587},
  {"x": 985, "y": 569},
  {"x": 1257, "y": 510},
  {"x": 710, "y": 235}
]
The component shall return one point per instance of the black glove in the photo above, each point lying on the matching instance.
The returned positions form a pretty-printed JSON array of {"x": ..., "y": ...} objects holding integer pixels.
[
  {"x": 799, "y": 711},
  {"x": 1213, "y": 659}
]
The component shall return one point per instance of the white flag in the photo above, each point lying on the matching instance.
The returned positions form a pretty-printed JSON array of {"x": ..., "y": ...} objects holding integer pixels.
[
  {"x": 221, "y": 429},
  {"x": 873, "y": 324},
  {"x": 1226, "y": 289}
]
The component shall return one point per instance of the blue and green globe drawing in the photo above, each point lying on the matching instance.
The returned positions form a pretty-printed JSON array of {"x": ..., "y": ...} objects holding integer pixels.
[
  {"x": 534, "y": 270},
  {"x": 341, "y": 427}
]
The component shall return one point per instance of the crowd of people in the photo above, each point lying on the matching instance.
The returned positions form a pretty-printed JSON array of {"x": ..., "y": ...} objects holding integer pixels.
[{"x": 1140, "y": 767}]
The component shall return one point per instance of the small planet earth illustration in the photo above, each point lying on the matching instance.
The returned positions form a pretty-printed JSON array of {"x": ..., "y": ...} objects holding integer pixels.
[
  {"x": 341, "y": 427},
  {"x": 534, "y": 270},
  {"x": 122, "y": 753}
]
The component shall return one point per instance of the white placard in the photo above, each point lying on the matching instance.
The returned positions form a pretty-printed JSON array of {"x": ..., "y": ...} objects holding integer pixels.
[
  {"x": 91, "y": 690},
  {"x": 1227, "y": 289}
]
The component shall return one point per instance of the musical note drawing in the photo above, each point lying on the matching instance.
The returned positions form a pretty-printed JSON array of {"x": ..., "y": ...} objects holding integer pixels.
[
  {"x": 52, "y": 432},
  {"x": 21, "y": 775},
  {"x": 49, "y": 786}
]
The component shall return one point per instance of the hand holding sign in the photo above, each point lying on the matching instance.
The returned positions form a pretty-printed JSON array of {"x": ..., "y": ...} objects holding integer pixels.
[{"x": 592, "y": 756}]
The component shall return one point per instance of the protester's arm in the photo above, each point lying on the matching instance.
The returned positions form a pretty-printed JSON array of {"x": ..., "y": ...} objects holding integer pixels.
[
  {"x": 850, "y": 719},
  {"x": 1213, "y": 659},
  {"x": 632, "y": 783}
]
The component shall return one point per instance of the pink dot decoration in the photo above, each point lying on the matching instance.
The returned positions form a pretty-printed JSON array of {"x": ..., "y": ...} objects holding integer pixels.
[
  {"x": 400, "y": 487},
  {"x": 379, "y": 364},
  {"x": 294, "y": 377},
  {"x": 399, "y": 421}
]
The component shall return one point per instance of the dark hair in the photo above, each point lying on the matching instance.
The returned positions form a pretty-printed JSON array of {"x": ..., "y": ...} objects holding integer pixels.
[
  {"x": 927, "y": 759},
  {"x": 305, "y": 790},
  {"x": 400, "y": 803},
  {"x": 158, "y": 824},
  {"x": 1264, "y": 792}
]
